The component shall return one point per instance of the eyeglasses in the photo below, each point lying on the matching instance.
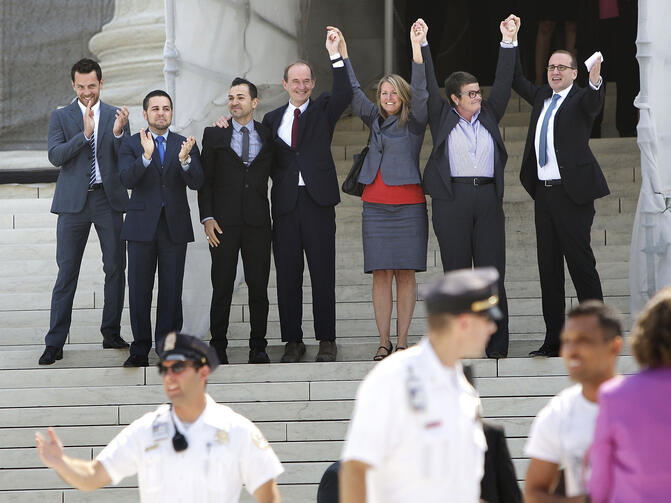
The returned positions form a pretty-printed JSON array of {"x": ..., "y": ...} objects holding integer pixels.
[
  {"x": 561, "y": 68},
  {"x": 176, "y": 368},
  {"x": 472, "y": 94}
]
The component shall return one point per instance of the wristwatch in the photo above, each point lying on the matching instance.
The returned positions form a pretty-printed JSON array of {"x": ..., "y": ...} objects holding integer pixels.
[{"x": 187, "y": 161}]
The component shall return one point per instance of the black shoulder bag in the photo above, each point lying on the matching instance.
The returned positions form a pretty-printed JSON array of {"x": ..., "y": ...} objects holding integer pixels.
[{"x": 351, "y": 184}]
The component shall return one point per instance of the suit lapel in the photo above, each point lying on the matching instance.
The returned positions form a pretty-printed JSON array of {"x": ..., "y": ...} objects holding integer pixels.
[
  {"x": 302, "y": 122},
  {"x": 569, "y": 96},
  {"x": 447, "y": 124},
  {"x": 173, "y": 146},
  {"x": 76, "y": 114},
  {"x": 227, "y": 137},
  {"x": 106, "y": 115}
]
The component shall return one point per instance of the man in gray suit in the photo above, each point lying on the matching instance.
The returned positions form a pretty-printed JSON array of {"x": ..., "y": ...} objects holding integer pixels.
[{"x": 84, "y": 139}]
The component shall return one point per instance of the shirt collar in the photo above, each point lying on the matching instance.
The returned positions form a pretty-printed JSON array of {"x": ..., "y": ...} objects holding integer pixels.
[
  {"x": 473, "y": 119},
  {"x": 302, "y": 108},
  {"x": 213, "y": 416},
  {"x": 164, "y": 135},
  {"x": 435, "y": 367},
  {"x": 563, "y": 93},
  {"x": 95, "y": 108},
  {"x": 237, "y": 126}
]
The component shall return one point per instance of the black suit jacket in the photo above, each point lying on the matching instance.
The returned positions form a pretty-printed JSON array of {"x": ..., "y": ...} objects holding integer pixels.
[
  {"x": 234, "y": 193},
  {"x": 581, "y": 174},
  {"x": 443, "y": 119},
  {"x": 499, "y": 483},
  {"x": 312, "y": 156},
  {"x": 156, "y": 186}
]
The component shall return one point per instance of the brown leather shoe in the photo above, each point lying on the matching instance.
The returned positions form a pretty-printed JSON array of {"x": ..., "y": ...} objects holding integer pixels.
[
  {"x": 293, "y": 352},
  {"x": 327, "y": 351}
]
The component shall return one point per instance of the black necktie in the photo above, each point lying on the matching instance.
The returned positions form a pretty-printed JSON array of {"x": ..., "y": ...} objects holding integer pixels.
[{"x": 245, "y": 144}]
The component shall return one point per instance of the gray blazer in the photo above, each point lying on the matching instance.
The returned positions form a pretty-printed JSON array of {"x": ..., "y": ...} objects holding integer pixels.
[
  {"x": 393, "y": 149},
  {"x": 69, "y": 150}
]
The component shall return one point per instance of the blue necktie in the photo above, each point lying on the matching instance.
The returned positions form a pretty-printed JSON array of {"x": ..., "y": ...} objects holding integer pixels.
[
  {"x": 543, "y": 143},
  {"x": 161, "y": 148}
]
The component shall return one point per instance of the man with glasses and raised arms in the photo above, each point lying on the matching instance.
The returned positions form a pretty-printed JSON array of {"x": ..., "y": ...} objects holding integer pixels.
[
  {"x": 191, "y": 449},
  {"x": 561, "y": 174}
]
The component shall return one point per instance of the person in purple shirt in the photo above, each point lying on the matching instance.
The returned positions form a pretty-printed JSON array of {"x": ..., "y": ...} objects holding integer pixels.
[{"x": 631, "y": 454}]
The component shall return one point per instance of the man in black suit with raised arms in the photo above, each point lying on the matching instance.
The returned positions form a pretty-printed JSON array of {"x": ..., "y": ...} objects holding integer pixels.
[
  {"x": 561, "y": 174},
  {"x": 304, "y": 194}
]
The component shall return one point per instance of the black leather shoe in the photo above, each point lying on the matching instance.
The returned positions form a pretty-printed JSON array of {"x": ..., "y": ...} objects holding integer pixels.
[
  {"x": 327, "y": 351},
  {"x": 221, "y": 354},
  {"x": 114, "y": 342},
  {"x": 50, "y": 355},
  {"x": 293, "y": 352},
  {"x": 497, "y": 354},
  {"x": 136, "y": 361},
  {"x": 544, "y": 352},
  {"x": 258, "y": 356}
]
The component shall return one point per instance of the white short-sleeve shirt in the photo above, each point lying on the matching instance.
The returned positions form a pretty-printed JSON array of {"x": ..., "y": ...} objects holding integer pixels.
[
  {"x": 225, "y": 452},
  {"x": 562, "y": 433},
  {"x": 416, "y": 423}
]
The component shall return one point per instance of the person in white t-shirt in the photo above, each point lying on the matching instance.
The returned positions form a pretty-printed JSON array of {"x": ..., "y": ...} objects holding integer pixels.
[
  {"x": 563, "y": 431},
  {"x": 192, "y": 449}
]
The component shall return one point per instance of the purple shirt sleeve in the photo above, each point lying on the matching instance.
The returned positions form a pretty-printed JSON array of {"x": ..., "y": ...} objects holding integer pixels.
[{"x": 602, "y": 454}]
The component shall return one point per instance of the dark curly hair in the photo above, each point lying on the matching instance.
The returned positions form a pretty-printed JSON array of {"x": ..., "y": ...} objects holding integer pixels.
[{"x": 651, "y": 341}]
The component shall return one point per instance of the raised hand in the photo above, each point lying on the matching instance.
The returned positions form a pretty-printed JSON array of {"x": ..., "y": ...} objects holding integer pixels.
[
  {"x": 186, "y": 148},
  {"x": 51, "y": 450},
  {"x": 425, "y": 29},
  {"x": 342, "y": 46},
  {"x": 120, "y": 121},
  {"x": 417, "y": 35},
  {"x": 509, "y": 28},
  {"x": 595, "y": 72},
  {"x": 222, "y": 121},
  {"x": 332, "y": 41},
  {"x": 147, "y": 140},
  {"x": 89, "y": 121}
]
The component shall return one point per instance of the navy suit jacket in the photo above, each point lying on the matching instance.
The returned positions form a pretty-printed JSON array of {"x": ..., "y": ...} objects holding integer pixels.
[
  {"x": 443, "y": 119},
  {"x": 156, "y": 186},
  {"x": 580, "y": 172},
  {"x": 312, "y": 156},
  {"x": 70, "y": 150}
]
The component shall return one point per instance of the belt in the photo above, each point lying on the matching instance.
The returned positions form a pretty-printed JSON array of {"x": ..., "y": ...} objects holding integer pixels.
[
  {"x": 550, "y": 183},
  {"x": 95, "y": 186},
  {"x": 472, "y": 180}
]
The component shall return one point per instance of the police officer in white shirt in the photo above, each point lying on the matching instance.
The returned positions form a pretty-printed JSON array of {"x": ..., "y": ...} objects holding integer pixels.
[
  {"x": 563, "y": 431},
  {"x": 415, "y": 434},
  {"x": 192, "y": 449}
]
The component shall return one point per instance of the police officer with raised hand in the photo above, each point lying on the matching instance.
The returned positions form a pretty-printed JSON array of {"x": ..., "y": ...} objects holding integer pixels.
[
  {"x": 191, "y": 449},
  {"x": 415, "y": 434}
]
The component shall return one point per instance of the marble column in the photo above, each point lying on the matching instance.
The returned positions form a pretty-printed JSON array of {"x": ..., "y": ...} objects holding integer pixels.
[{"x": 130, "y": 51}]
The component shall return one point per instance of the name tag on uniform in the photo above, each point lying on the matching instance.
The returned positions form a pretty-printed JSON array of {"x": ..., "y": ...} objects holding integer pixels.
[
  {"x": 160, "y": 431},
  {"x": 433, "y": 424}
]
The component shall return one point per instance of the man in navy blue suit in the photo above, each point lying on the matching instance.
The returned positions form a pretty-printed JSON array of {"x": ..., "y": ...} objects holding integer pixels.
[{"x": 157, "y": 165}]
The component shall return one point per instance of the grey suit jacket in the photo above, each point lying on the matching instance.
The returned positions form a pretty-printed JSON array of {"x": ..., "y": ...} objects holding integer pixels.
[
  {"x": 394, "y": 149},
  {"x": 443, "y": 119},
  {"x": 69, "y": 150}
]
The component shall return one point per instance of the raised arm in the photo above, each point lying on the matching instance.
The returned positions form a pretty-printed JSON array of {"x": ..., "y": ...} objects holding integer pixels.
[
  {"x": 593, "y": 99},
  {"x": 419, "y": 95},
  {"x": 435, "y": 102},
  {"x": 505, "y": 68},
  {"x": 341, "y": 92},
  {"x": 521, "y": 85},
  {"x": 131, "y": 167},
  {"x": 193, "y": 175},
  {"x": 80, "y": 474}
]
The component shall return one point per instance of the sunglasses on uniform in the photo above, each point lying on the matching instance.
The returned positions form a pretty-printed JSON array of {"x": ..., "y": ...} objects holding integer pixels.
[
  {"x": 176, "y": 368},
  {"x": 561, "y": 68},
  {"x": 472, "y": 94}
]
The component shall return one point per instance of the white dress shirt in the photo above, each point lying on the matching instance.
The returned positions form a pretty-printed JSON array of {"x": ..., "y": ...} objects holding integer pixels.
[
  {"x": 225, "y": 451},
  {"x": 416, "y": 424},
  {"x": 284, "y": 131},
  {"x": 96, "y": 119}
]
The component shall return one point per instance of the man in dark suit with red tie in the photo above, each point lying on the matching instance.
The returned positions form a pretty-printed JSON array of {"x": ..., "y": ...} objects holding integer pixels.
[
  {"x": 157, "y": 165},
  {"x": 304, "y": 194},
  {"x": 235, "y": 214},
  {"x": 561, "y": 174}
]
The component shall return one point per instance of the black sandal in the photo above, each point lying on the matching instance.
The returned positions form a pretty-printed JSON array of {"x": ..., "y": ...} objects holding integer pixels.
[
  {"x": 379, "y": 357},
  {"x": 400, "y": 348}
]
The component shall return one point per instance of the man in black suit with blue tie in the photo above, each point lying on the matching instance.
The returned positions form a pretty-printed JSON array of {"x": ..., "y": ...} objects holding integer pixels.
[
  {"x": 561, "y": 174},
  {"x": 157, "y": 165},
  {"x": 84, "y": 139},
  {"x": 304, "y": 194}
]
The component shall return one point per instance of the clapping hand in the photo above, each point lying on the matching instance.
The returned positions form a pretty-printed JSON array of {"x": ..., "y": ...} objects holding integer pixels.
[
  {"x": 89, "y": 121},
  {"x": 147, "y": 140},
  {"x": 186, "y": 148},
  {"x": 120, "y": 121}
]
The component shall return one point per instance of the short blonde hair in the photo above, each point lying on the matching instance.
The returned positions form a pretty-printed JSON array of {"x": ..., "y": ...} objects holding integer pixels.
[
  {"x": 651, "y": 341},
  {"x": 402, "y": 89}
]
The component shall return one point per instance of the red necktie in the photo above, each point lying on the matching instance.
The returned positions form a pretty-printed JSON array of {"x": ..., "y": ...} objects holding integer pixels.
[{"x": 294, "y": 128}]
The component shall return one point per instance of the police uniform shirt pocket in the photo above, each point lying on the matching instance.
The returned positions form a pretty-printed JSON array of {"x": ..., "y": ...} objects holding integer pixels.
[
  {"x": 222, "y": 474},
  {"x": 151, "y": 475}
]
